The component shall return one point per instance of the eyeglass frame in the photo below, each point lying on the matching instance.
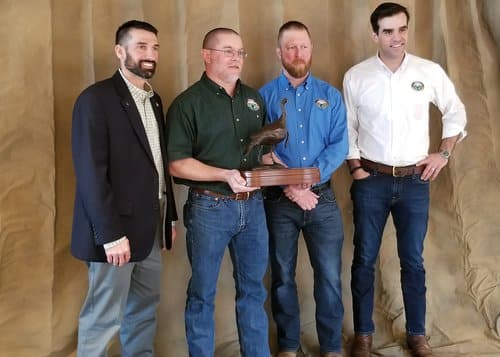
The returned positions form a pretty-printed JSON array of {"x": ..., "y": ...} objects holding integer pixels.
[{"x": 231, "y": 52}]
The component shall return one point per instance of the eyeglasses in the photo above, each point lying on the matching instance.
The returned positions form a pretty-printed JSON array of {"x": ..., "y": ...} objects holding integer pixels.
[{"x": 229, "y": 52}]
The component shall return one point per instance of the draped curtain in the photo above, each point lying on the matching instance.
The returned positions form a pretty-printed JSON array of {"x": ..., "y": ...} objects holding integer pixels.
[{"x": 52, "y": 50}]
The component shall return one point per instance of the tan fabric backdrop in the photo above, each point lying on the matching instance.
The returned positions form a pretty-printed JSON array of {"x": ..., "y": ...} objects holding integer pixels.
[{"x": 51, "y": 50}]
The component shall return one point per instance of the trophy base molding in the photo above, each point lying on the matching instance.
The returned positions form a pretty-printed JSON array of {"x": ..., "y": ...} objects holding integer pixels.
[{"x": 263, "y": 176}]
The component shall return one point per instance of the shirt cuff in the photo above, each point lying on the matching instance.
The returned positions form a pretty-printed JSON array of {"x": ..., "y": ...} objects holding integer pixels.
[{"x": 113, "y": 243}]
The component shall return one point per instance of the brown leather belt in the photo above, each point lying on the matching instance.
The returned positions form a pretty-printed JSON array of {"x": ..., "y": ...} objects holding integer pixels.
[
  {"x": 240, "y": 196},
  {"x": 396, "y": 171},
  {"x": 317, "y": 189}
]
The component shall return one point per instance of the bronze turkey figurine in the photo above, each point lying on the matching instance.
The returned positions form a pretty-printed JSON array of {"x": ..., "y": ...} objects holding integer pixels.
[
  {"x": 270, "y": 134},
  {"x": 276, "y": 174}
]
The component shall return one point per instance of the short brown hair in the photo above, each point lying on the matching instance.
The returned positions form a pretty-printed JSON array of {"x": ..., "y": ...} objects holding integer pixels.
[
  {"x": 292, "y": 25},
  {"x": 209, "y": 39}
]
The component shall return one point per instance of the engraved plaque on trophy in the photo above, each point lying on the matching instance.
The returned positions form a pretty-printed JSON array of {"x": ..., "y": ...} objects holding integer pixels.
[{"x": 276, "y": 174}]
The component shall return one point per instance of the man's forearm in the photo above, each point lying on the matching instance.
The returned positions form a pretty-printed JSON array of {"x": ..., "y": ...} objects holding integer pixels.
[
  {"x": 448, "y": 144},
  {"x": 196, "y": 170}
]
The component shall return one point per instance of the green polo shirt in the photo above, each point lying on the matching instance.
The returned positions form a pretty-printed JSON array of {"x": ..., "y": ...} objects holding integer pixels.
[{"x": 207, "y": 124}]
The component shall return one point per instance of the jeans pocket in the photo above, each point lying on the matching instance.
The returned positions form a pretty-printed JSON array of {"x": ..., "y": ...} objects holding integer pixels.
[
  {"x": 364, "y": 178},
  {"x": 327, "y": 196},
  {"x": 204, "y": 202},
  {"x": 418, "y": 180}
]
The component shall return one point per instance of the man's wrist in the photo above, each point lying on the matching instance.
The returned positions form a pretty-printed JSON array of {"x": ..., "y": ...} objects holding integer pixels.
[
  {"x": 445, "y": 154},
  {"x": 113, "y": 243},
  {"x": 354, "y": 169}
]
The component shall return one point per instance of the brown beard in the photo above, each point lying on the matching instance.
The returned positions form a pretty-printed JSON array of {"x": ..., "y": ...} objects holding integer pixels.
[
  {"x": 298, "y": 68},
  {"x": 137, "y": 68}
]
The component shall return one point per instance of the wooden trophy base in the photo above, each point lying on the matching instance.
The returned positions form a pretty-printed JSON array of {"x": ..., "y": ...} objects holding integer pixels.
[{"x": 272, "y": 176}]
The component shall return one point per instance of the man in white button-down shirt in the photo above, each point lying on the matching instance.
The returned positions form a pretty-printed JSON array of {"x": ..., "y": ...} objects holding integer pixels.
[{"x": 387, "y": 98}]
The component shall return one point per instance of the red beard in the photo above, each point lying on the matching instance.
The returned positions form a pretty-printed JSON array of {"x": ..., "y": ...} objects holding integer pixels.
[{"x": 298, "y": 68}]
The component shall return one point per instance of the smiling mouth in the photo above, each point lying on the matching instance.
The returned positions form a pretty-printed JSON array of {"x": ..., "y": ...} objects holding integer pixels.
[{"x": 148, "y": 64}]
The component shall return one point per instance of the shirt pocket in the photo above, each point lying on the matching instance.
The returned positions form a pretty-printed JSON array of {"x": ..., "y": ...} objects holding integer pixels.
[{"x": 419, "y": 99}]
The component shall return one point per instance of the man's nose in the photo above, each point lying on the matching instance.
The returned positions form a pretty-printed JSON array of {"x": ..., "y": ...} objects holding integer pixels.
[
  {"x": 298, "y": 53},
  {"x": 152, "y": 53}
]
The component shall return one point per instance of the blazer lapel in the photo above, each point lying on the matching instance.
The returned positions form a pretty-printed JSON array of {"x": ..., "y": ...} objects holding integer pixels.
[
  {"x": 158, "y": 110},
  {"x": 133, "y": 115}
]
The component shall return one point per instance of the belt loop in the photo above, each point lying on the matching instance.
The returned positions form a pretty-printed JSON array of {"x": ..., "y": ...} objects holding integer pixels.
[{"x": 242, "y": 196}]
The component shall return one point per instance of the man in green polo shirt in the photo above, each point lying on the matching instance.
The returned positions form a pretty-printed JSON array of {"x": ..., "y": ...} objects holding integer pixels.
[{"x": 208, "y": 129}]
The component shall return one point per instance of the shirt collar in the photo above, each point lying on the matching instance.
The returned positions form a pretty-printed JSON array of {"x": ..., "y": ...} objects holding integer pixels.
[
  {"x": 214, "y": 87},
  {"x": 136, "y": 91},
  {"x": 285, "y": 83},
  {"x": 402, "y": 67}
]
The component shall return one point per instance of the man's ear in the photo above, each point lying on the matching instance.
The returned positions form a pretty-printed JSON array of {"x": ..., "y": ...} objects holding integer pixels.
[
  {"x": 120, "y": 52},
  {"x": 374, "y": 37},
  {"x": 205, "y": 55},
  {"x": 278, "y": 53}
]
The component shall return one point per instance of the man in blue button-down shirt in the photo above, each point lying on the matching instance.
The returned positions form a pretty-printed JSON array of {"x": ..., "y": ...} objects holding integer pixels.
[{"x": 316, "y": 122}]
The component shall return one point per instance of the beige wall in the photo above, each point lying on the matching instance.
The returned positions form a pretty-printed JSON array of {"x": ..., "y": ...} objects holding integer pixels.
[{"x": 51, "y": 50}]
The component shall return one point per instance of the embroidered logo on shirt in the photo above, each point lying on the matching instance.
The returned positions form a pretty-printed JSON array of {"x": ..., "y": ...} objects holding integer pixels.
[
  {"x": 417, "y": 85},
  {"x": 252, "y": 104},
  {"x": 321, "y": 103}
]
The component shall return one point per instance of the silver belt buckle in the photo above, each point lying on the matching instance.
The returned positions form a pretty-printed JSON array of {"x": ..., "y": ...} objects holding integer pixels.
[{"x": 395, "y": 173}]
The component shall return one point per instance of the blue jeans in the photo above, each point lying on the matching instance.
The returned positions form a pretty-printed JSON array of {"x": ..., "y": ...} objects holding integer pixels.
[
  {"x": 323, "y": 235},
  {"x": 212, "y": 225},
  {"x": 407, "y": 199}
]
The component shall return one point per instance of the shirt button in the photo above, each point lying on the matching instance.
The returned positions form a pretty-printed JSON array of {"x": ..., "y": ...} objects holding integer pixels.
[
  {"x": 304, "y": 158},
  {"x": 300, "y": 126},
  {"x": 298, "y": 94},
  {"x": 245, "y": 159},
  {"x": 241, "y": 140},
  {"x": 302, "y": 142},
  {"x": 300, "y": 110},
  {"x": 258, "y": 116},
  {"x": 237, "y": 119}
]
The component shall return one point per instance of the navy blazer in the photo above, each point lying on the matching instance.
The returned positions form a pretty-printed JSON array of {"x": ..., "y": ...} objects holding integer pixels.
[{"x": 116, "y": 178}]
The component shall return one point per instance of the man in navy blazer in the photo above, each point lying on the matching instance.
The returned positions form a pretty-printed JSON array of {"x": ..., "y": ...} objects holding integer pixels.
[{"x": 124, "y": 205}]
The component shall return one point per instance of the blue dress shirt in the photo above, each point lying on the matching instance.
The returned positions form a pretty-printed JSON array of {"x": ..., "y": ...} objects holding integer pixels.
[{"x": 316, "y": 123}]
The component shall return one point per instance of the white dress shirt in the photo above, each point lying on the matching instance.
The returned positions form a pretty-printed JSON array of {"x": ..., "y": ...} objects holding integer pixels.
[{"x": 388, "y": 113}]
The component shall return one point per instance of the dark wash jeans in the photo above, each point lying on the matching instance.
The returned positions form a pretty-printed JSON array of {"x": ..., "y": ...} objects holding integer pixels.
[
  {"x": 407, "y": 199},
  {"x": 323, "y": 235},
  {"x": 212, "y": 225}
]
